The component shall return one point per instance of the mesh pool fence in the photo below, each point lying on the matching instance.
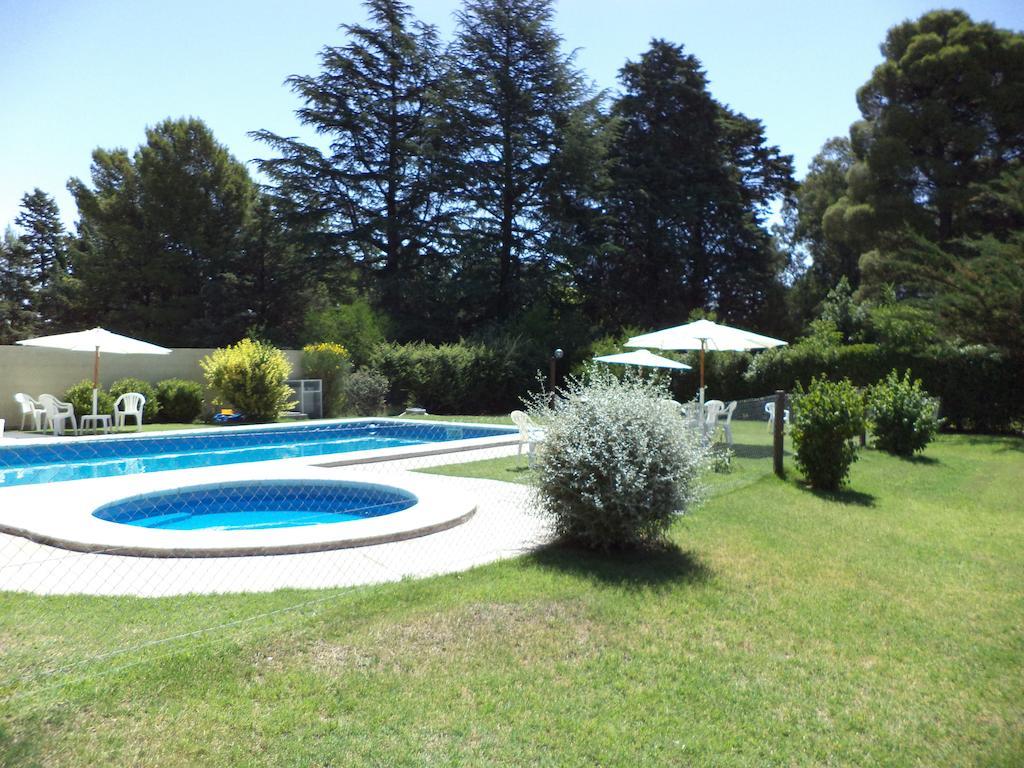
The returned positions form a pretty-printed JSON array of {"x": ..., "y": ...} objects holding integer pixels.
[{"x": 74, "y": 606}]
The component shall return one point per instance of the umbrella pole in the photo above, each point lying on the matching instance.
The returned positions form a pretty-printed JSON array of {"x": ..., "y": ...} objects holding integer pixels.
[
  {"x": 95, "y": 381},
  {"x": 703, "y": 421}
]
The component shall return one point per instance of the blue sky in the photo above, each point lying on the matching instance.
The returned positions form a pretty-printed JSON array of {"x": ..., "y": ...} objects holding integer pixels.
[{"x": 77, "y": 75}]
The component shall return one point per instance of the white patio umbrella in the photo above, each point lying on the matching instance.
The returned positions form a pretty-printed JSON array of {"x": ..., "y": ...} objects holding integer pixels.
[
  {"x": 645, "y": 358},
  {"x": 704, "y": 335},
  {"x": 96, "y": 340}
]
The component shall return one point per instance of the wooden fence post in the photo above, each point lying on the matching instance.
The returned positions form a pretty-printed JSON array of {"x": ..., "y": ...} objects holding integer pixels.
[{"x": 778, "y": 424}]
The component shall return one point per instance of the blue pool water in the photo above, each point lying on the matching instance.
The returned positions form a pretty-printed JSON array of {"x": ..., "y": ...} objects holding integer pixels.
[
  {"x": 79, "y": 459},
  {"x": 257, "y": 505}
]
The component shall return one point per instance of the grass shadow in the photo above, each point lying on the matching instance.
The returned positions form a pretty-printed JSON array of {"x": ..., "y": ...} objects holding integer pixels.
[
  {"x": 22, "y": 751},
  {"x": 755, "y": 451},
  {"x": 845, "y": 496},
  {"x": 919, "y": 459},
  {"x": 639, "y": 568}
]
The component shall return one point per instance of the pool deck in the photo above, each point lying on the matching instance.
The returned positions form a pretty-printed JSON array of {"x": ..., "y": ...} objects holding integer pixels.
[{"x": 501, "y": 526}]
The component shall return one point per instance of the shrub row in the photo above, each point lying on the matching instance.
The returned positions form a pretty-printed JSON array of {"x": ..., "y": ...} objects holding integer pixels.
[
  {"x": 456, "y": 378},
  {"x": 978, "y": 389},
  {"x": 828, "y": 415},
  {"x": 171, "y": 400}
]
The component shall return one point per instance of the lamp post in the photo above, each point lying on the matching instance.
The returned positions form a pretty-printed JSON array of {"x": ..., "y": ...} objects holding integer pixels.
[{"x": 557, "y": 355}]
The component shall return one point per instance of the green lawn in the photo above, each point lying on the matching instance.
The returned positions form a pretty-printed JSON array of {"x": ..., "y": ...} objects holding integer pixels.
[{"x": 883, "y": 625}]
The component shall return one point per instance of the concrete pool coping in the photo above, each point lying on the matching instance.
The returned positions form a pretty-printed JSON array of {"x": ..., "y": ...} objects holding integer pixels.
[{"x": 69, "y": 523}]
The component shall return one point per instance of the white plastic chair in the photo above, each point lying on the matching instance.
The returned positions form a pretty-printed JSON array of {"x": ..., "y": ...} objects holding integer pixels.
[
  {"x": 129, "y": 404},
  {"x": 29, "y": 407},
  {"x": 691, "y": 411},
  {"x": 769, "y": 408},
  {"x": 58, "y": 413},
  {"x": 529, "y": 434},
  {"x": 727, "y": 425},
  {"x": 712, "y": 410}
]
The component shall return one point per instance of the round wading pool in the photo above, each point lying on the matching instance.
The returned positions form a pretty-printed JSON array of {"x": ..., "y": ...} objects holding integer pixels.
[
  {"x": 258, "y": 505},
  {"x": 257, "y": 511}
]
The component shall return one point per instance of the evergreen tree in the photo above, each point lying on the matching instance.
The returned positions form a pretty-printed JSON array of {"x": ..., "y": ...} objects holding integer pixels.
[
  {"x": 163, "y": 237},
  {"x": 43, "y": 238},
  {"x": 691, "y": 184},
  {"x": 18, "y": 316},
  {"x": 941, "y": 113},
  {"x": 519, "y": 108},
  {"x": 374, "y": 198}
]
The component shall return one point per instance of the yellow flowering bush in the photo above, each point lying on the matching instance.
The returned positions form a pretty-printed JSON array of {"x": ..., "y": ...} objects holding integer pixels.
[{"x": 249, "y": 376}]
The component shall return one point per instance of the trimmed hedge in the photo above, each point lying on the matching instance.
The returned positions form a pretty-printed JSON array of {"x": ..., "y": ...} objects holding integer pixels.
[
  {"x": 181, "y": 400},
  {"x": 979, "y": 389},
  {"x": 455, "y": 378}
]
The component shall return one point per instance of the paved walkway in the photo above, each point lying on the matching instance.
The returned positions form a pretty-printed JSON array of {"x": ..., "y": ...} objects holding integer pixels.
[{"x": 503, "y": 526}]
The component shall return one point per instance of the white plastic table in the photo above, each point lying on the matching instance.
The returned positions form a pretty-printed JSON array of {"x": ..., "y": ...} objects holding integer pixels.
[{"x": 97, "y": 421}]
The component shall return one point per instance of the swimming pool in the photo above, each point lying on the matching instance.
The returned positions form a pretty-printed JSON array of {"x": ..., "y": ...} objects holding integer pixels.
[
  {"x": 55, "y": 461},
  {"x": 257, "y": 505}
]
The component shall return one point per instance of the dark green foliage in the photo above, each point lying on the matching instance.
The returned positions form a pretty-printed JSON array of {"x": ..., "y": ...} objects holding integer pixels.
[
  {"x": 458, "y": 378},
  {"x": 979, "y": 388},
  {"x": 902, "y": 415},
  {"x": 973, "y": 288},
  {"x": 354, "y": 324},
  {"x": 80, "y": 396},
  {"x": 826, "y": 418},
  {"x": 181, "y": 401},
  {"x": 829, "y": 260},
  {"x": 151, "y": 411},
  {"x": 374, "y": 199},
  {"x": 942, "y": 114},
  {"x": 690, "y": 185},
  {"x": 365, "y": 393},
  {"x": 44, "y": 238}
]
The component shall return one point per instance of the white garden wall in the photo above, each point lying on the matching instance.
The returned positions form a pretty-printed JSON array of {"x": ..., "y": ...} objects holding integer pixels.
[{"x": 36, "y": 370}]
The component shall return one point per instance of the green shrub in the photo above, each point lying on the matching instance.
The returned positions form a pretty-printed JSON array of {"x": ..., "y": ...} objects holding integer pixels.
[
  {"x": 249, "y": 376},
  {"x": 330, "y": 363},
  {"x": 957, "y": 376},
  {"x": 151, "y": 410},
  {"x": 365, "y": 393},
  {"x": 617, "y": 464},
  {"x": 80, "y": 396},
  {"x": 355, "y": 325},
  {"x": 826, "y": 417},
  {"x": 181, "y": 401},
  {"x": 902, "y": 414},
  {"x": 463, "y": 377}
]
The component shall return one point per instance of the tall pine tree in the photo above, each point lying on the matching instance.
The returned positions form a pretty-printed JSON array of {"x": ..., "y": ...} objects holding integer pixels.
[
  {"x": 517, "y": 108},
  {"x": 19, "y": 318},
  {"x": 374, "y": 197},
  {"x": 691, "y": 186},
  {"x": 43, "y": 237}
]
